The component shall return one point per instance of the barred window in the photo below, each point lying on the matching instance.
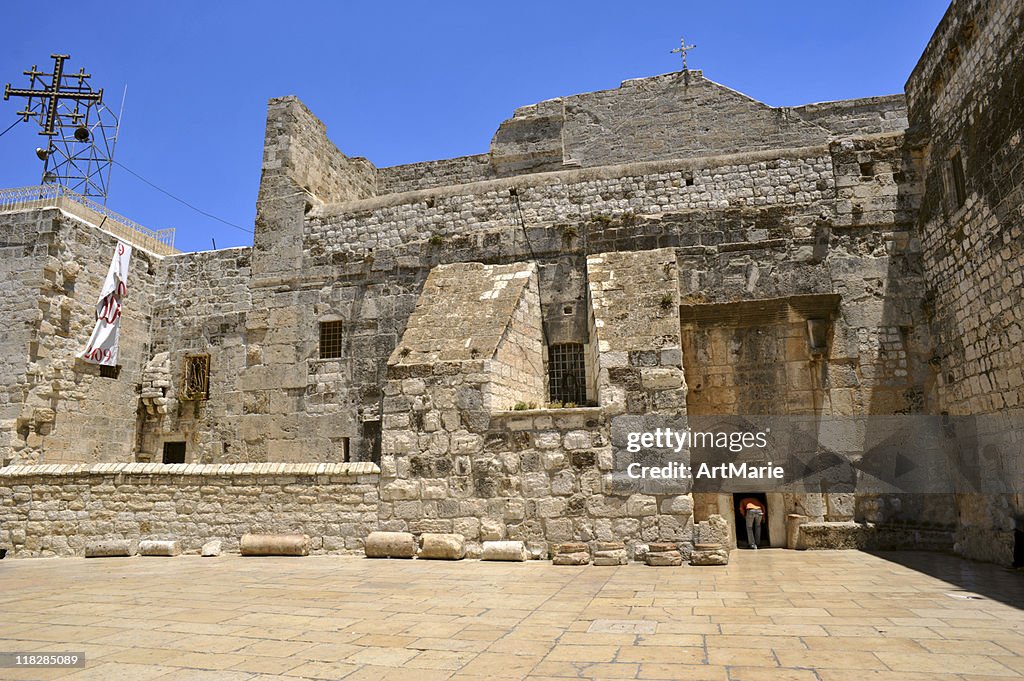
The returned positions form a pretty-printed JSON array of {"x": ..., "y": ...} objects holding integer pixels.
[
  {"x": 567, "y": 373},
  {"x": 330, "y": 340},
  {"x": 110, "y": 371},
  {"x": 195, "y": 378}
]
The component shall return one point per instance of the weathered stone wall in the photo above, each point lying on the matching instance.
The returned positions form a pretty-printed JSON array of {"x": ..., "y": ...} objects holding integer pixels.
[
  {"x": 57, "y": 510},
  {"x": 301, "y": 168},
  {"x": 635, "y": 303},
  {"x": 674, "y": 115},
  {"x": 201, "y": 307},
  {"x": 63, "y": 409},
  {"x": 853, "y": 117},
  {"x": 781, "y": 178},
  {"x": 966, "y": 107},
  {"x": 429, "y": 174},
  {"x": 21, "y": 278},
  {"x": 755, "y": 357},
  {"x": 535, "y": 476}
]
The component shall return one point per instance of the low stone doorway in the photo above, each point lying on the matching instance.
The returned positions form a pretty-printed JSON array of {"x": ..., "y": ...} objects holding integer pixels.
[{"x": 741, "y": 523}]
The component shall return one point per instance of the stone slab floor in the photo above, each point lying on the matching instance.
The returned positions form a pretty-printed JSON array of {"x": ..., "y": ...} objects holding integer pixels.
[{"x": 770, "y": 615}]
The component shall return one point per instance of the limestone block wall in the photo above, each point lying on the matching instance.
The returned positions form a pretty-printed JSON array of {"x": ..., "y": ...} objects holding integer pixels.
[
  {"x": 634, "y": 298},
  {"x": 428, "y": 174},
  {"x": 965, "y": 99},
  {"x": 669, "y": 116},
  {"x": 538, "y": 476},
  {"x": 471, "y": 311},
  {"x": 63, "y": 410},
  {"x": 21, "y": 278},
  {"x": 301, "y": 168},
  {"x": 56, "y": 510},
  {"x": 757, "y": 179},
  {"x": 855, "y": 117},
  {"x": 201, "y": 307}
]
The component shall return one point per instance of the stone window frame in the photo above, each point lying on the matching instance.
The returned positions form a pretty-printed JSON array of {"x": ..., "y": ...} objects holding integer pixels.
[
  {"x": 195, "y": 377},
  {"x": 954, "y": 180},
  {"x": 330, "y": 338}
]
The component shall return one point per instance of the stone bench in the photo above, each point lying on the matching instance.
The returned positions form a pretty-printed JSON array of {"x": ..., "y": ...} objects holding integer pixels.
[
  {"x": 390, "y": 545},
  {"x": 274, "y": 545},
  {"x": 442, "y": 546}
]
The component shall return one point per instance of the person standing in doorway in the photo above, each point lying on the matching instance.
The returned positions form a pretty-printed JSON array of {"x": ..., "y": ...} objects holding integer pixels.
[{"x": 753, "y": 512}]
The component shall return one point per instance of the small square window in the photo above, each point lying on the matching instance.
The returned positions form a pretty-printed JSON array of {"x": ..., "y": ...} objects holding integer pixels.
[
  {"x": 330, "y": 340},
  {"x": 195, "y": 378},
  {"x": 110, "y": 371},
  {"x": 174, "y": 452}
]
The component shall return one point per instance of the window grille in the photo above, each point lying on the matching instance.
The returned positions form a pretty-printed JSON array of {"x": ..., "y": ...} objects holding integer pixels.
[
  {"x": 110, "y": 371},
  {"x": 567, "y": 373},
  {"x": 330, "y": 340},
  {"x": 195, "y": 379}
]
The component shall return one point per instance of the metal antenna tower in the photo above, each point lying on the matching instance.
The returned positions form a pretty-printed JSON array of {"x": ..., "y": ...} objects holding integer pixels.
[{"x": 81, "y": 130}]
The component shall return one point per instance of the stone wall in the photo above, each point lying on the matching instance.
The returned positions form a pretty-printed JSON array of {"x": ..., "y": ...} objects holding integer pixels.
[
  {"x": 674, "y": 115},
  {"x": 201, "y": 307},
  {"x": 761, "y": 180},
  {"x": 21, "y": 278},
  {"x": 853, "y": 117},
  {"x": 537, "y": 476},
  {"x": 301, "y": 168},
  {"x": 64, "y": 409},
  {"x": 966, "y": 106},
  {"x": 56, "y": 510},
  {"x": 635, "y": 303},
  {"x": 429, "y": 174}
]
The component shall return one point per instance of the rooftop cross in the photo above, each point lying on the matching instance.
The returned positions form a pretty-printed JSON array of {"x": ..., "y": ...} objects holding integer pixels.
[
  {"x": 682, "y": 50},
  {"x": 53, "y": 94}
]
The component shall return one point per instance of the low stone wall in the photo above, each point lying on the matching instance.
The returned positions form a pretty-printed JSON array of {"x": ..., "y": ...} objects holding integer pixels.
[
  {"x": 539, "y": 476},
  {"x": 56, "y": 510},
  {"x": 872, "y": 537}
]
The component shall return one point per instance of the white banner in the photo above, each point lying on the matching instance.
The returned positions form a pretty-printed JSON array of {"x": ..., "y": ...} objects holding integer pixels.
[{"x": 102, "y": 346}]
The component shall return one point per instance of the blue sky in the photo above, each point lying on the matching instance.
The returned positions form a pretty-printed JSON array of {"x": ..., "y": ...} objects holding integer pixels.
[{"x": 406, "y": 82}]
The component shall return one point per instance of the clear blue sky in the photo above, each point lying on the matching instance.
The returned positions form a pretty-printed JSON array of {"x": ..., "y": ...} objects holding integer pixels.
[{"x": 410, "y": 81}]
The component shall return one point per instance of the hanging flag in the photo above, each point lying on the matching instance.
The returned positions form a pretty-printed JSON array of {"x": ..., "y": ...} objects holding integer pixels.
[{"x": 102, "y": 346}]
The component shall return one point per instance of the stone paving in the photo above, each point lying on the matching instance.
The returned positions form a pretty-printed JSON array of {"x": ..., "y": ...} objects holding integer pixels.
[{"x": 769, "y": 615}]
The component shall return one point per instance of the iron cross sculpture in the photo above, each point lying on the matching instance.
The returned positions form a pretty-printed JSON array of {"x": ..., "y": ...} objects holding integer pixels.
[
  {"x": 52, "y": 95},
  {"x": 682, "y": 50}
]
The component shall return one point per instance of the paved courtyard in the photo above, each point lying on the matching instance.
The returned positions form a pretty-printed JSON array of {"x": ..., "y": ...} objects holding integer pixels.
[{"x": 770, "y": 615}]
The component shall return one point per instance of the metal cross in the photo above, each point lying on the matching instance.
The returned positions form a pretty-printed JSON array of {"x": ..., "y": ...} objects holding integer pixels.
[
  {"x": 682, "y": 50},
  {"x": 53, "y": 94}
]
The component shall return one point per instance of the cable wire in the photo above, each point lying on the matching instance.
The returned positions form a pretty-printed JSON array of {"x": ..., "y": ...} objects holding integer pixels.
[
  {"x": 180, "y": 200},
  {"x": 9, "y": 127}
]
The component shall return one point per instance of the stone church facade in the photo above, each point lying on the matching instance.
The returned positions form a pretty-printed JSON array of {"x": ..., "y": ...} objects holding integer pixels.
[{"x": 440, "y": 347}]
